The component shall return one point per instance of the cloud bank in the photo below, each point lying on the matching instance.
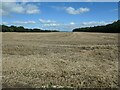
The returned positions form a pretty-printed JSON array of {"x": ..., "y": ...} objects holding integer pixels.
[
  {"x": 24, "y": 22},
  {"x": 71, "y": 10},
  {"x": 20, "y": 8}
]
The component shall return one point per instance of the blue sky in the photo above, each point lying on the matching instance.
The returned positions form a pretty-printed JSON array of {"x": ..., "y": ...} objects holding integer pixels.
[{"x": 59, "y": 15}]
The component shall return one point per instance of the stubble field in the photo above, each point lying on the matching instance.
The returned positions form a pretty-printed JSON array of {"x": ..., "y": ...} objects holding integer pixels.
[{"x": 59, "y": 60}]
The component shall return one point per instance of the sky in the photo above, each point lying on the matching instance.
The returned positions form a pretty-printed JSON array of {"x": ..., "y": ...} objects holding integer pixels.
[{"x": 63, "y": 16}]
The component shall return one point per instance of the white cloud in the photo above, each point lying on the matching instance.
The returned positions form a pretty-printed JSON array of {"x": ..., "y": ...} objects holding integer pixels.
[
  {"x": 5, "y": 23},
  {"x": 32, "y": 9},
  {"x": 59, "y": 26},
  {"x": 21, "y": 8},
  {"x": 72, "y": 23},
  {"x": 46, "y": 21},
  {"x": 71, "y": 10},
  {"x": 94, "y": 23},
  {"x": 24, "y": 22},
  {"x": 51, "y": 25}
]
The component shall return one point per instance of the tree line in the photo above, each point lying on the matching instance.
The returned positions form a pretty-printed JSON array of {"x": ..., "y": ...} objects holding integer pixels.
[
  {"x": 12, "y": 28},
  {"x": 110, "y": 28}
]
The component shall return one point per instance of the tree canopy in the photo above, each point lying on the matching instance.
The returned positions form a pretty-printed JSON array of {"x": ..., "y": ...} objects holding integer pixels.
[
  {"x": 110, "y": 28},
  {"x": 22, "y": 29}
]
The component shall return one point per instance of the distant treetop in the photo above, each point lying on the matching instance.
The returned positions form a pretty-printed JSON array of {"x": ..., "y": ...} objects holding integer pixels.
[
  {"x": 110, "y": 28},
  {"x": 22, "y": 29}
]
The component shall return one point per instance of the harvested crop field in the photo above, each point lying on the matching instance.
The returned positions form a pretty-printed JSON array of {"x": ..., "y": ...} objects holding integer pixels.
[{"x": 60, "y": 59}]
